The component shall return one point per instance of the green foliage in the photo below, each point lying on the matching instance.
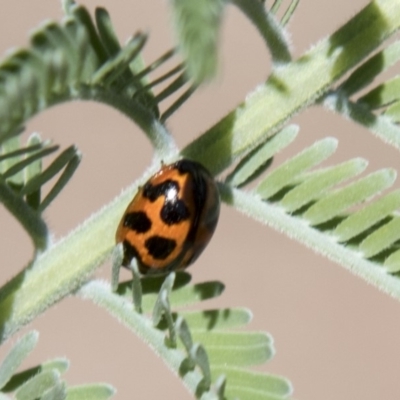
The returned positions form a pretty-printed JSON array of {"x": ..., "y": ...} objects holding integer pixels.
[
  {"x": 270, "y": 29},
  {"x": 330, "y": 209},
  {"x": 16, "y": 356},
  {"x": 199, "y": 343},
  {"x": 77, "y": 59},
  {"x": 309, "y": 206},
  {"x": 22, "y": 178},
  {"x": 198, "y": 45},
  {"x": 42, "y": 381}
]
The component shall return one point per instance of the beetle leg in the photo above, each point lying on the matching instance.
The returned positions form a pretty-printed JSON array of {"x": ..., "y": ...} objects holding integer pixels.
[
  {"x": 162, "y": 308},
  {"x": 116, "y": 259},
  {"x": 136, "y": 285}
]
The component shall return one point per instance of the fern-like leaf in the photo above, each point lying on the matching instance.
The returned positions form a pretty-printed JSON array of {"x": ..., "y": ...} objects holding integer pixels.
[
  {"x": 21, "y": 181},
  {"x": 82, "y": 59},
  {"x": 59, "y": 365},
  {"x": 43, "y": 381},
  {"x": 309, "y": 206},
  {"x": 288, "y": 90},
  {"x": 208, "y": 345},
  {"x": 236, "y": 135},
  {"x": 17, "y": 354}
]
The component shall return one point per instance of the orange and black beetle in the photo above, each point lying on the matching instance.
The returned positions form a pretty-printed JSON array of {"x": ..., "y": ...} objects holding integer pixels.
[{"x": 171, "y": 219}]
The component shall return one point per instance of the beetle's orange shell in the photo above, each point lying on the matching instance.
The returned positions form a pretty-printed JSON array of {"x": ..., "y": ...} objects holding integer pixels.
[{"x": 171, "y": 219}]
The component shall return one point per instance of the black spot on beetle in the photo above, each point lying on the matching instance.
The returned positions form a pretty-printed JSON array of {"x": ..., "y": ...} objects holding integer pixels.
[
  {"x": 130, "y": 252},
  {"x": 138, "y": 221},
  {"x": 174, "y": 212},
  {"x": 153, "y": 192},
  {"x": 159, "y": 247}
]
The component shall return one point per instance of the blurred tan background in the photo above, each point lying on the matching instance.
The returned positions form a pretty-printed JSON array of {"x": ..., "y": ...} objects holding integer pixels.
[{"x": 335, "y": 336}]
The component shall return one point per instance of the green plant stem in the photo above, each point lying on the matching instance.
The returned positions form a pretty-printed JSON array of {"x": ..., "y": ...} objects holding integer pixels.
[
  {"x": 295, "y": 86},
  {"x": 120, "y": 308},
  {"x": 269, "y": 28},
  {"x": 159, "y": 137}
]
